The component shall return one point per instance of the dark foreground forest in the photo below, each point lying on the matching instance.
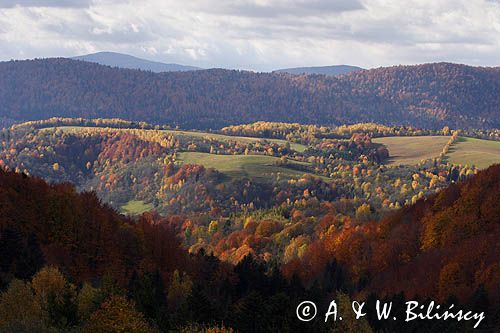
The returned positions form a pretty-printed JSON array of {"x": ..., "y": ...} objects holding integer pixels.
[{"x": 70, "y": 263}]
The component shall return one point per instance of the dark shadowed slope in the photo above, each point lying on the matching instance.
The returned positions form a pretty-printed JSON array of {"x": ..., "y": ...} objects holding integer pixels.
[
  {"x": 443, "y": 246},
  {"x": 120, "y": 60}
]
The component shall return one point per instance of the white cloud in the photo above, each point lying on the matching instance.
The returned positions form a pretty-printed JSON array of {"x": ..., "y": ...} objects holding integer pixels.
[
  {"x": 258, "y": 34},
  {"x": 44, "y": 3}
]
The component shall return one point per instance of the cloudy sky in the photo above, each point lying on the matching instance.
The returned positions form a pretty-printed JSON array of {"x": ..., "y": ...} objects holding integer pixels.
[{"x": 257, "y": 34}]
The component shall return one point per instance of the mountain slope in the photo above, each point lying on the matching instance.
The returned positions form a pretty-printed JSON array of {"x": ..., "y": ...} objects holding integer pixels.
[
  {"x": 55, "y": 225},
  {"x": 322, "y": 70},
  {"x": 440, "y": 247},
  {"x": 430, "y": 96},
  {"x": 120, "y": 60}
]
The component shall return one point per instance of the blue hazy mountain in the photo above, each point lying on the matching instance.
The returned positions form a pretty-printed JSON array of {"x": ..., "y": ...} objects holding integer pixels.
[
  {"x": 120, "y": 60},
  {"x": 323, "y": 70}
]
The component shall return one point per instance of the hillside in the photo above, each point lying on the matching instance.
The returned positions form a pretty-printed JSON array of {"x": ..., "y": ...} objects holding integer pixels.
[
  {"x": 454, "y": 232},
  {"x": 321, "y": 70},
  {"x": 444, "y": 248},
  {"x": 120, "y": 60},
  {"x": 132, "y": 166},
  {"x": 276, "y": 232},
  {"x": 70, "y": 263},
  {"x": 427, "y": 96}
]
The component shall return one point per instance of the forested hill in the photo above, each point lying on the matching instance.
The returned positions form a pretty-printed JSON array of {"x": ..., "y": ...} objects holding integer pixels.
[
  {"x": 322, "y": 70},
  {"x": 428, "y": 96},
  {"x": 121, "y": 60}
]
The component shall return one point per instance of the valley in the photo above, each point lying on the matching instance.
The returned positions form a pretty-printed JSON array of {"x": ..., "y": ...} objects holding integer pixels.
[
  {"x": 137, "y": 167},
  {"x": 307, "y": 199},
  {"x": 406, "y": 150}
]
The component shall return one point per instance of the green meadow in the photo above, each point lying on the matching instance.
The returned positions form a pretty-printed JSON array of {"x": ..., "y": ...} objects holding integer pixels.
[
  {"x": 135, "y": 207},
  {"x": 259, "y": 166},
  {"x": 412, "y": 149},
  {"x": 470, "y": 151}
]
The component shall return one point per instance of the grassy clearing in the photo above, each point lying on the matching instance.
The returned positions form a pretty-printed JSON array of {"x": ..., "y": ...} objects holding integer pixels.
[
  {"x": 135, "y": 207},
  {"x": 255, "y": 166},
  {"x": 481, "y": 153},
  {"x": 412, "y": 149}
]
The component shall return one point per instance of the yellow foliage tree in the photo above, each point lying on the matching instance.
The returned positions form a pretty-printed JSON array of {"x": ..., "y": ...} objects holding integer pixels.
[
  {"x": 18, "y": 306},
  {"x": 117, "y": 314}
]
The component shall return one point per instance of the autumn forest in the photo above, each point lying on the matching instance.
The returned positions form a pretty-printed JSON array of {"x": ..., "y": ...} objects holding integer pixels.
[{"x": 218, "y": 201}]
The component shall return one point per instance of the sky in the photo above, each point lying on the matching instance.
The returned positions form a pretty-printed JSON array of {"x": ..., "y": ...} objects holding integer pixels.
[{"x": 258, "y": 35}]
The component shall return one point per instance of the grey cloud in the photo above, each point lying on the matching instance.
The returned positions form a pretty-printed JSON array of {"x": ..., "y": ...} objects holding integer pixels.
[
  {"x": 82, "y": 26},
  {"x": 45, "y": 3},
  {"x": 94, "y": 32}
]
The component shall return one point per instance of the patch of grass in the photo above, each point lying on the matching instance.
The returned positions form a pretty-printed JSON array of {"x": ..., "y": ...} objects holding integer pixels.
[
  {"x": 256, "y": 166},
  {"x": 136, "y": 207},
  {"x": 412, "y": 149},
  {"x": 470, "y": 151}
]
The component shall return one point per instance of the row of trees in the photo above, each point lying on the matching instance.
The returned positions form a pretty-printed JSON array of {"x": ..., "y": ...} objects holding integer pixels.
[{"x": 309, "y": 134}]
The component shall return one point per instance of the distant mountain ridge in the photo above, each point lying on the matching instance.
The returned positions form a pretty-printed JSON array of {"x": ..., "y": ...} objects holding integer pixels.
[
  {"x": 322, "y": 70},
  {"x": 427, "y": 96},
  {"x": 121, "y": 60}
]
